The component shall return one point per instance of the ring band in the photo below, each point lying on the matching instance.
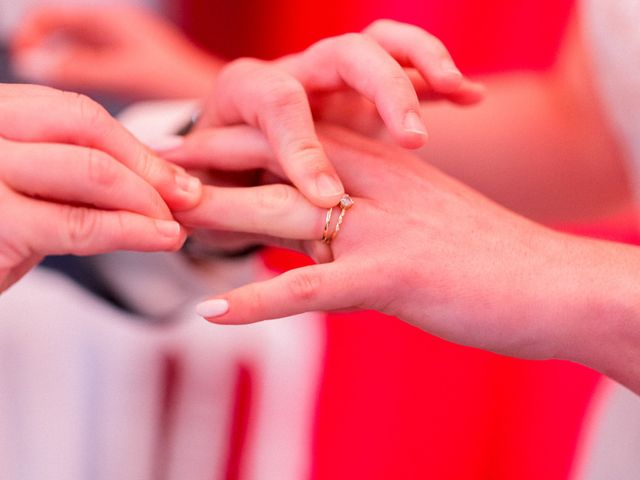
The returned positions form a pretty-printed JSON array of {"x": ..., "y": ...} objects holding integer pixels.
[
  {"x": 327, "y": 223},
  {"x": 345, "y": 204}
]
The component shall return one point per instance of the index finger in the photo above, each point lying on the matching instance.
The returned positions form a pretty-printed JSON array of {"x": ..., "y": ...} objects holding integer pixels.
[{"x": 268, "y": 98}]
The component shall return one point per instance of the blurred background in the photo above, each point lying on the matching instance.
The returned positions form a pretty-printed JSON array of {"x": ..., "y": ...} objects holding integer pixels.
[{"x": 392, "y": 402}]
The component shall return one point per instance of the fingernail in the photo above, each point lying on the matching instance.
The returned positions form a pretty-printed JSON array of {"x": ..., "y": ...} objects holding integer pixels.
[
  {"x": 188, "y": 183},
  {"x": 168, "y": 228},
  {"x": 328, "y": 185},
  {"x": 449, "y": 67},
  {"x": 212, "y": 308},
  {"x": 164, "y": 144},
  {"x": 414, "y": 124}
]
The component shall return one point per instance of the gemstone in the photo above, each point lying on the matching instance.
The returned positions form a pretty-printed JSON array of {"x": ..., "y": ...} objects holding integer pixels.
[{"x": 346, "y": 202}]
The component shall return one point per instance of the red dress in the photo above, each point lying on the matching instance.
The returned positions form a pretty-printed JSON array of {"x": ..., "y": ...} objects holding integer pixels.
[{"x": 397, "y": 403}]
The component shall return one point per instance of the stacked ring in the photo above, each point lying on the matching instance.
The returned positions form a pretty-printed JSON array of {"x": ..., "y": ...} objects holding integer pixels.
[{"x": 345, "y": 204}]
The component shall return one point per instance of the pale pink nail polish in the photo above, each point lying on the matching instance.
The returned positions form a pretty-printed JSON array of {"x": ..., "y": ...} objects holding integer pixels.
[{"x": 212, "y": 308}]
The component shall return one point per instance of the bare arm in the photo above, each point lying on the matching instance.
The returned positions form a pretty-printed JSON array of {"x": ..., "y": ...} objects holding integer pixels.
[{"x": 538, "y": 144}]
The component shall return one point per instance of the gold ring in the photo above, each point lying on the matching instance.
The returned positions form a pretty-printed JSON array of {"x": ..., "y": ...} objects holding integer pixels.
[
  {"x": 327, "y": 222},
  {"x": 346, "y": 202}
]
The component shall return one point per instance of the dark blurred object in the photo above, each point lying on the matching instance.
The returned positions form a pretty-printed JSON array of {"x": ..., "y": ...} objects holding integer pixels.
[{"x": 5, "y": 72}]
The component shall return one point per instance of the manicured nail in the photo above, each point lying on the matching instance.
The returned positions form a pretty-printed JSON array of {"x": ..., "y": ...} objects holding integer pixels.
[
  {"x": 414, "y": 124},
  {"x": 168, "y": 228},
  {"x": 165, "y": 144},
  {"x": 188, "y": 183},
  {"x": 449, "y": 67},
  {"x": 328, "y": 185},
  {"x": 212, "y": 308}
]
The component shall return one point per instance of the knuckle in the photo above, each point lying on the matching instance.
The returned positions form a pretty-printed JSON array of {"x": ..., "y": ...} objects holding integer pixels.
[
  {"x": 274, "y": 198},
  {"x": 304, "y": 286},
  {"x": 354, "y": 42},
  {"x": 244, "y": 64},
  {"x": 436, "y": 45},
  {"x": 379, "y": 25},
  {"x": 307, "y": 152},
  {"x": 281, "y": 91},
  {"x": 352, "y": 39},
  {"x": 90, "y": 113},
  {"x": 81, "y": 228},
  {"x": 397, "y": 81},
  {"x": 150, "y": 168},
  {"x": 102, "y": 170}
]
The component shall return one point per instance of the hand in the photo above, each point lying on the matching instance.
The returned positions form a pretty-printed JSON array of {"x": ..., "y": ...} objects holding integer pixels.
[
  {"x": 273, "y": 97},
  {"x": 416, "y": 244},
  {"x": 118, "y": 50},
  {"x": 445, "y": 82},
  {"x": 73, "y": 181}
]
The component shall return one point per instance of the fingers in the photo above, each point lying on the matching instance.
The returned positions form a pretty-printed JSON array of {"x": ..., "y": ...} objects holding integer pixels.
[
  {"x": 275, "y": 210},
  {"x": 234, "y": 148},
  {"x": 242, "y": 148},
  {"x": 54, "y": 229},
  {"x": 413, "y": 47},
  {"x": 469, "y": 92},
  {"x": 67, "y": 173},
  {"x": 318, "y": 287},
  {"x": 365, "y": 66},
  {"x": 266, "y": 97},
  {"x": 40, "y": 114}
]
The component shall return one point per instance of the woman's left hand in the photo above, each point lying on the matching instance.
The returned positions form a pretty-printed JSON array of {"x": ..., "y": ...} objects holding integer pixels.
[{"x": 416, "y": 244}]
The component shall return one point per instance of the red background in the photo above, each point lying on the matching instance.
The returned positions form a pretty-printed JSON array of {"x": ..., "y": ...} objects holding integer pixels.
[{"x": 395, "y": 402}]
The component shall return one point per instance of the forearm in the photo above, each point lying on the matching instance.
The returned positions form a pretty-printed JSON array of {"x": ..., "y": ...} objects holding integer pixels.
[{"x": 598, "y": 307}]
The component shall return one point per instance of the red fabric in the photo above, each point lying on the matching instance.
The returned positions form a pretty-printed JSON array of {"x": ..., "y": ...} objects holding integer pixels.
[{"x": 395, "y": 402}]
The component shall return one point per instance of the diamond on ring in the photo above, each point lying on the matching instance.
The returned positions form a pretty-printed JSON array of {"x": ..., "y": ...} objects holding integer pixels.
[{"x": 346, "y": 202}]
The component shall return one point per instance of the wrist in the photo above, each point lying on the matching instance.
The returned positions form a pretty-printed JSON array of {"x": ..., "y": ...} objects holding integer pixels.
[{"x": 601, "y": 315}]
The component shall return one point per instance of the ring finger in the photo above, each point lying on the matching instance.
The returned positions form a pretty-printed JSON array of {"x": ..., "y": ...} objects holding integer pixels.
[{"x": 276, "y": 210}]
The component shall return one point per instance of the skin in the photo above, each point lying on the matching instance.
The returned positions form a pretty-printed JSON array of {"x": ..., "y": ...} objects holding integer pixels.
[
  {"x": 482, "y": 279},
  {"x": 120, "y": 50},
  {"x": 73, "y": 181},
  {"x": 470, "y": 271},
  {"x": 539, "y": 143},
  {"x": 99, "y": 210},
  {"x": 97, "y": 48}
]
